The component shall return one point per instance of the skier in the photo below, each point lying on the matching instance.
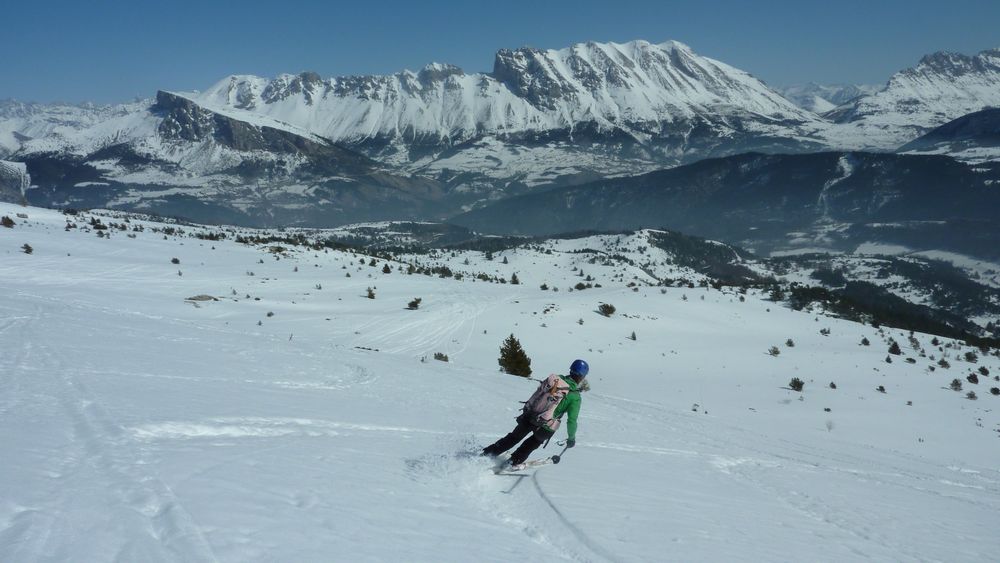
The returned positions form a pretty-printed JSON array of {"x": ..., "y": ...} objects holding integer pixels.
[{"x": 542, "y": 414}]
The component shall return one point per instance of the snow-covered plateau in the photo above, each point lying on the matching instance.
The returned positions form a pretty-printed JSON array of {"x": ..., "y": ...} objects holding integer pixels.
[{"x": 166, "y": 397}]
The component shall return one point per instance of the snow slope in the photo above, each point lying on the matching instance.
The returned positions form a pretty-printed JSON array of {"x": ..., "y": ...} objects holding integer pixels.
[{"x": 137, "y": 425}]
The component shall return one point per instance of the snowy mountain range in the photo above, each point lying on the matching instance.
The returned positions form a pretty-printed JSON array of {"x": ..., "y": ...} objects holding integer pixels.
[
  {"x": 637, "y": 90},
  {"x": 942, "y": 87},
  {"x": 302, "y": 149},
  {"x": 821, "y": 98}
]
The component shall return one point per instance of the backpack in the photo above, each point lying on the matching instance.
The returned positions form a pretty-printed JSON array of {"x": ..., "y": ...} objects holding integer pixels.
[{"x": 540, "y": 407}]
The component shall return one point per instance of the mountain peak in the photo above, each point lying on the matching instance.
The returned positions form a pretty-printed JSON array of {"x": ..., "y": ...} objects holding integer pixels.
[
  {"x": 957, "y": 64},
  {"x": 435, "y": 72},
  {"x": 675, "y": 46},
  {"x": 945, "y": 62}
]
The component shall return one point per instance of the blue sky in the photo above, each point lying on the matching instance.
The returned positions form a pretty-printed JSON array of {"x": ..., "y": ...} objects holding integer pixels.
[{"x": 114, "y": 51}]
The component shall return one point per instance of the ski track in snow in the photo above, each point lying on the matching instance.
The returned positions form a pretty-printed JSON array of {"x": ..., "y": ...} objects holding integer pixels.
[
  {"x": 253, "y": 427},
  {"x": 911, "y": 475},
  {"x": 579, "y": 534},
  {"x": 102, "y": 453},
  {"x": 455, "y": 324}
]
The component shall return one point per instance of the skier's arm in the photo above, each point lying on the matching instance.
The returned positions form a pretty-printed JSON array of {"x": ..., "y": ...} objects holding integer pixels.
[{"x": 572, "y": 412}]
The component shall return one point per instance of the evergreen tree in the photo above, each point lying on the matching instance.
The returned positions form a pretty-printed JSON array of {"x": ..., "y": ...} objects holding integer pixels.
[{"x": 513, "y": 359}]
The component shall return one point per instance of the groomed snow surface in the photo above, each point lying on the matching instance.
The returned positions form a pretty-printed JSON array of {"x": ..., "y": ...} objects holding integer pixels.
[{"x": 138, "y": 426}]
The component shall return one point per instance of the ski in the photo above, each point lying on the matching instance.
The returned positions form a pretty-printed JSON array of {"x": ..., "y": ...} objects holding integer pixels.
[{"x": 509, "y": 469}]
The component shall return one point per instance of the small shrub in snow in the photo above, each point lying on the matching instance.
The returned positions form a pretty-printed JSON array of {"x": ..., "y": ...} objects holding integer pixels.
[
  {"x": 956, "y": 384},
  {"x": 790, "y": 343},
  {"x": 175, "y": 260},
  {"x": 894, "y": 349},
  {"x": 513, "y": 358},
  {"x": 386, "y": 269},
  {"x": 796, "y": 384},
  {"x": 824, "y": 331},
  {"x": 773, "y": 350},
  {"x": 971, "y": 395},
  {"x": 6, "y": 221},
  {"x": 414, "y": 305},
  {"x": 632, "y": 337},
  {"x": 971, "y": 357},
  {"x": 888, "y": 359},
  {"x": 880, "y": 388},
  {"x": 606, "y": 309},
  {"x": 865, "y": 341},
  {"x": 983, "y": 371},
  {"x": 944, "y": 363},
  {"x": 833, "y": 385},
  {"x": 270, "y": 313},
  {"x": 995, "y": 390},
  {"x": 27, "y": 249},
  {"x": 440, "y": 357},
  {"x": 544, "y": 287},
  {"x": 973, "y": 378}
]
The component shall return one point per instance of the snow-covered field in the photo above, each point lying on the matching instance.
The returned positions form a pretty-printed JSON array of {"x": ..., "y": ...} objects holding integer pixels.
[{"x": 136, "y": 425}]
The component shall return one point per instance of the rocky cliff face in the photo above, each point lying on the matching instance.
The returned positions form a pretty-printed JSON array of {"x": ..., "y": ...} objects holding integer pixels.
[
  {"x": 184, "y": 120},
  {"x": 14, "y": 181}
]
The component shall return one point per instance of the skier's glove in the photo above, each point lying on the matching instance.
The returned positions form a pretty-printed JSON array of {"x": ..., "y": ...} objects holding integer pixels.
[{"x": 570, "y": 443}]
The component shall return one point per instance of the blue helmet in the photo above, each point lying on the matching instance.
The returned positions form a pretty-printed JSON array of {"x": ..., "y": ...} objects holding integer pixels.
[{"x": 579, "y": 368}]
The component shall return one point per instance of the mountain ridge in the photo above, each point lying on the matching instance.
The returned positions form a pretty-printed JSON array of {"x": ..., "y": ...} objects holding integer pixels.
[{"x": 441, "y": 139}]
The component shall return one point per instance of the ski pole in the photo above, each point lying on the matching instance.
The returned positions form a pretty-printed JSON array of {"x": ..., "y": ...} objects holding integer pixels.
[{"x": 558, "y": 456}]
